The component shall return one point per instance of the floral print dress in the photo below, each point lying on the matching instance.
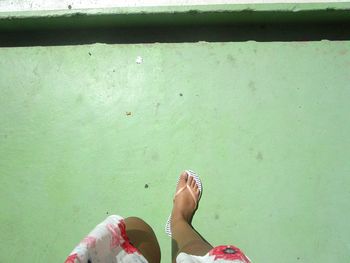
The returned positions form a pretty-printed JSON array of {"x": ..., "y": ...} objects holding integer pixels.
[{"x": 108, "y": 243}]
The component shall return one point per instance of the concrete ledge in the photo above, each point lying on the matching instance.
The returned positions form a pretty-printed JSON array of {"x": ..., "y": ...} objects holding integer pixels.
[{"x": 176, "y": 16}]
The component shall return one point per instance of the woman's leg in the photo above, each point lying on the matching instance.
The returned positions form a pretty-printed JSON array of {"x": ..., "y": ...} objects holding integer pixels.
[
  {"x": 184, "y": 237},
  {"x": 142, "y": 236}
]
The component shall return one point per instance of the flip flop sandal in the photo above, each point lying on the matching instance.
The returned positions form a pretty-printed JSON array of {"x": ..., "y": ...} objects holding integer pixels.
[{"x": 196, "y": 200}]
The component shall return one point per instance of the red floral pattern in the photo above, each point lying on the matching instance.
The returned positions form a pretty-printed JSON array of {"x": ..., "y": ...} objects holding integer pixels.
[
  {"x": 119, "y": 237},
  {"x": 126, "y": 245},
  {"x": 110, "y": 233},
  {"x": 228, "y": 253},
  {"x": 71, "y": 258},
  {"x": 116, "y": 238}
]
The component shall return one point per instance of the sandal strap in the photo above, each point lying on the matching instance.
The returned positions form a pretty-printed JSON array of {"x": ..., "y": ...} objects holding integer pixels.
[{"x": 191, "y": 192}]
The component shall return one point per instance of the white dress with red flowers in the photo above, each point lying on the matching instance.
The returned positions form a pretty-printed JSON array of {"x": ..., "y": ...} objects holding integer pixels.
[
  {"x": 109, "y": 243},
  {"x": 220, "y": 254}
]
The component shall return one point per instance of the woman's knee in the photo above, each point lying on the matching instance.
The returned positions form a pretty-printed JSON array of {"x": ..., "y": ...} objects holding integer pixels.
[
  {"x": 134, "y": 222},
  {"x": 142, "y": 236}
]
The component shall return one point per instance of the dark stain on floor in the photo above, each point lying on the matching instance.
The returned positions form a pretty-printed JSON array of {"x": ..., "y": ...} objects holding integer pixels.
[
  {"x": 251, "y": 86},
  {"x": 259, "y": 156},
  {"x": 231, "y": 59}
]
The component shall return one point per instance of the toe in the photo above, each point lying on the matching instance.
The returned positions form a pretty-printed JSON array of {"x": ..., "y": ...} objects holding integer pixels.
[
  {"x": 182, "y": 180},
  {"x": 183, "y": 177},
  {"x": 195, "y": 186},
  {"x": 190, "y": 180}
]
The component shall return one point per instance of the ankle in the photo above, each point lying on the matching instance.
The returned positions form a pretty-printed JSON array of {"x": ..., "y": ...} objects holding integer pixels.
[
  {"x": 177, "y": 223},
  {"x": 179, "y": 215},
  {"x": 179, "y": 220}
]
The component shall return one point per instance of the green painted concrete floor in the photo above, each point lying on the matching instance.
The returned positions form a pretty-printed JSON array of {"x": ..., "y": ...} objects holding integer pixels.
[{"x": 83, "y": 129}]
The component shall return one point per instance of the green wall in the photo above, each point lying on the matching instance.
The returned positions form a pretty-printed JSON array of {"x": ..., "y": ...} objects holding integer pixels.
[{"x": 266, "y": 125}]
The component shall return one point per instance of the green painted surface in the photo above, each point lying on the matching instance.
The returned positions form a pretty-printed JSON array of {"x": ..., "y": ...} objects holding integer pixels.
[{"x": 266, "y": 125}]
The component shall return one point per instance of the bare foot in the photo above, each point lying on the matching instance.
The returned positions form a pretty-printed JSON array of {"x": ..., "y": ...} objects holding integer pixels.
[{"x": 184, "y": 202}]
